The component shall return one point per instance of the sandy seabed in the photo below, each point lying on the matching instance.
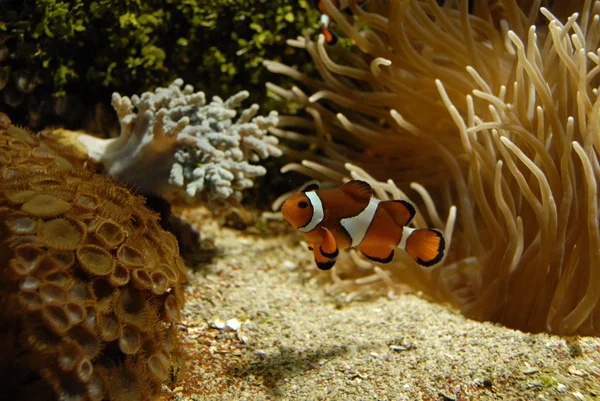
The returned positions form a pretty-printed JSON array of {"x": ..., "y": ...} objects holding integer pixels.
[{"x": 256, "y": 329}]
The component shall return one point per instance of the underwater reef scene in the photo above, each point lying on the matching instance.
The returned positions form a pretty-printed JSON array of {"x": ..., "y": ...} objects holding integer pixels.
[{"x": 138, "y": 260}]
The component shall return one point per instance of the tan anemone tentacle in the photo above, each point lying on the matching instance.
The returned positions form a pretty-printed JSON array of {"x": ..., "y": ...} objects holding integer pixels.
[{"x": 493, "y": 121}]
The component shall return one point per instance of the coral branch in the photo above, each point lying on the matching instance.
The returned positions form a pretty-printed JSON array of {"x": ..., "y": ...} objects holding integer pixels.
[{"x": 172, "y": 141}]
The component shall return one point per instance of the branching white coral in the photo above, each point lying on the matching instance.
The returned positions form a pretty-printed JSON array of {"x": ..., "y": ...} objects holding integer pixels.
[{"x": 171, "y": 140}]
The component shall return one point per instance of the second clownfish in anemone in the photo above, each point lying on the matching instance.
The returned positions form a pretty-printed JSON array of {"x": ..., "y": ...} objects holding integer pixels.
[
  {"x": 325, "y": 21},
  {"x": 350, "y": 217}
]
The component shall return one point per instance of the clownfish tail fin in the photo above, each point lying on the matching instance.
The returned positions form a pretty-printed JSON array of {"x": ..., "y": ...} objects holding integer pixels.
[{"x": 426, "y": 246}]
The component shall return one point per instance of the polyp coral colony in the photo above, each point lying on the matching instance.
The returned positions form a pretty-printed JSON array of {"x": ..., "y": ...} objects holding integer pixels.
[
  {"x": 175, "y": 142},
  {"x": 89, "y": 282},
  {"x": 492, "y": 114}
]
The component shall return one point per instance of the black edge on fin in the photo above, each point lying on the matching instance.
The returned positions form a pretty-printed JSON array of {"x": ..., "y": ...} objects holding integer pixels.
[
  {"x": 331, "y": 255},
  {"x": 326, "y": 265},
  {"x": 440, "y": 255},
  {"x": 387, "y": 259},
  {"x": 409, "y": 206},
  {"x": 310, "y": 186}
]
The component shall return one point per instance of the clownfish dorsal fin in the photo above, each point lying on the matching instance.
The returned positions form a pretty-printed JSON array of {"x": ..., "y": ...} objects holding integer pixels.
[
  {"x": 310, "y": 186},
  {"x": 359, "y": 190},
  {"x": 401, "y": 211}
]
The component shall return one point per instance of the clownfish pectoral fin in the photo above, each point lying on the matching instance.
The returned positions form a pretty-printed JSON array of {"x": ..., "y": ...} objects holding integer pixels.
[
  {"x": 359, "y": 190},
  {"x": 426, "y": 246},
  {"x": 322, "y": 261},
  {"x": 377, "y": 253},
  {"x": 326, "y": 251},
  {"x": 328, "y": 247},
  {"x": 401, "y": 211}
]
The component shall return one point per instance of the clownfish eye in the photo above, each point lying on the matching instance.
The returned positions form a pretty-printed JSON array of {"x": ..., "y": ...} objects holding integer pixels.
[{"x": 302, "y": 204}]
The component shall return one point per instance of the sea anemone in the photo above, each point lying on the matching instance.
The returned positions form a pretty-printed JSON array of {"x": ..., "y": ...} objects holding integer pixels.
[{"x": 495, "y": 111}]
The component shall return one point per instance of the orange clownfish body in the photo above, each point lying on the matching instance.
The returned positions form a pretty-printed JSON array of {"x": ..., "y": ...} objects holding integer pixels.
[
  {"x": 325, "y": 21},
  {"x": 350, "y": 217}
]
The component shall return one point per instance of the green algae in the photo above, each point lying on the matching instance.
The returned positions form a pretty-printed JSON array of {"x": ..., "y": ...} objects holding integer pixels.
[{"x": 132, "y": 46}]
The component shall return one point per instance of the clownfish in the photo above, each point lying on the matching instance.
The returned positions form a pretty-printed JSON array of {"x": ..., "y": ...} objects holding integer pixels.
[
  {"x": 325, "y": 20},
  {"x": 350, "y": 217}
]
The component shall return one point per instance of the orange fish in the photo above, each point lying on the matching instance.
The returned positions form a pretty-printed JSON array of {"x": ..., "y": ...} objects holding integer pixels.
[
  {"x": 350, "y": 217},
  {"x": 326, "y": 19}
]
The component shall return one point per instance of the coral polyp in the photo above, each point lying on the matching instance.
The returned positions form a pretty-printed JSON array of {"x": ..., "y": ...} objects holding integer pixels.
[{"x": 83, "y": 292}]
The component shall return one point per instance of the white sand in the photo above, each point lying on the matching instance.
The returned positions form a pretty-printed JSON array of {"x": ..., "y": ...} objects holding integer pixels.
[{"x": 295, "y": 343}]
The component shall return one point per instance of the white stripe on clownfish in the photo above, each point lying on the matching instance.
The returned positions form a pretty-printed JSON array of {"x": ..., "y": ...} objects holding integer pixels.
[
  {"x": 372, "y": 226},
  {"x": 318, "y": 212},
  {"x": 325, "y": 21},
  {"x": 358, "y": 225},
  {"x": 406, "y": 232}
]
